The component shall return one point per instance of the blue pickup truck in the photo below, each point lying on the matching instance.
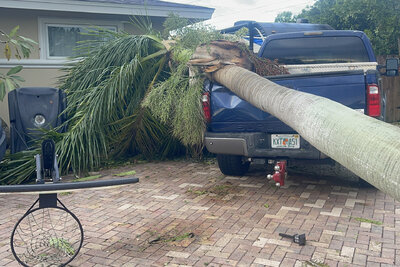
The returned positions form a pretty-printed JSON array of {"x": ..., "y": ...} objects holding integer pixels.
[{"x": 339, "y": 65}]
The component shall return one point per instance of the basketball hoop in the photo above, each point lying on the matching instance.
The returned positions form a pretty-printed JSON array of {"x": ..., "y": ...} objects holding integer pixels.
[{"x": 49, "y": 234}]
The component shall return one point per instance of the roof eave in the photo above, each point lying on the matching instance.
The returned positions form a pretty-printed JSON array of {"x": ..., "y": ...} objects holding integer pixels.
[{"x": 109, "y": 8}]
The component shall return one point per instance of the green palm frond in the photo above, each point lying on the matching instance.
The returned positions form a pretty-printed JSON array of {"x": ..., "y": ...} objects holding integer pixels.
[
  {"x": 143, "y": 133},
  {"x": 105, "y": 87},
  {"x": 102, "y": 89},
  {"x": 21, "y": 166},
  {"x": 18, "y": 168},
  {"x": 176, "y": 100}
]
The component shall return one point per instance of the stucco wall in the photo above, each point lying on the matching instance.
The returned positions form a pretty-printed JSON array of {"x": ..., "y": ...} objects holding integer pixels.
[
  {"x": 36, "y": 78},
  {"x": 9, "y": 18},
  {"x": 45, "y": 75}
]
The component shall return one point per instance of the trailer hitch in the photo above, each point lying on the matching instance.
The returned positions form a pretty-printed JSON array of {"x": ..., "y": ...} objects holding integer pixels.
[{"x": 280, "y": 173}]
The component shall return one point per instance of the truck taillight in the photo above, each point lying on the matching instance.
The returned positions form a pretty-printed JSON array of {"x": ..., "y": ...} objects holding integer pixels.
[
  {"x": 205, "y": 99},
  {"x": 373, "y": 100}
]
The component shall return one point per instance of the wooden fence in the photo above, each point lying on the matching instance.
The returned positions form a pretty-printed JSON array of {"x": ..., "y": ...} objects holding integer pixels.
[{"x": 391, "y": 89}]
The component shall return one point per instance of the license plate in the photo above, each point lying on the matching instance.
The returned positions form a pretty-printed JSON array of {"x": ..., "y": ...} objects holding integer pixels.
[{"x": 291, "y": 141}]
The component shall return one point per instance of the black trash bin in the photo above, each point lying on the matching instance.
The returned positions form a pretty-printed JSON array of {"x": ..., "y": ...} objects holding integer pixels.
[
  {"x": 3, "y": 141},
  {"x": 30, "y": 109}
]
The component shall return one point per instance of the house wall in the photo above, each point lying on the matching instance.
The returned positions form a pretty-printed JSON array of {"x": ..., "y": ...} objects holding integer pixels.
[
  {"x": 9, "y": 18},
  {"x": 39, "y": 71},
  {"x": 33, "y": 78}
]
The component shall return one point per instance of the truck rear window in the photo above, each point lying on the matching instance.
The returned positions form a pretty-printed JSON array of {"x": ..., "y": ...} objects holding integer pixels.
[{"x": 316, "y": 50}]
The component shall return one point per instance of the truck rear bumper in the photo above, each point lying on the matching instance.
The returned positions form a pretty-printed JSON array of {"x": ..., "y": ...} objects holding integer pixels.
[{"x": 257, "y": 144}]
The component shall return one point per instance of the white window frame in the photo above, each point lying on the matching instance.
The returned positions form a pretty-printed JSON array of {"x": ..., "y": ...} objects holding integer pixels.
[{"x": 44, "y": 23}]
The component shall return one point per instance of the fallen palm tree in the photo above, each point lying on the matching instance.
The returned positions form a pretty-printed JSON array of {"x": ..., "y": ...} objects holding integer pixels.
[
  {"x": 368, "y": 147},
  {"x": 106, "y": 114},
  {"x": 107, "y": 111}
]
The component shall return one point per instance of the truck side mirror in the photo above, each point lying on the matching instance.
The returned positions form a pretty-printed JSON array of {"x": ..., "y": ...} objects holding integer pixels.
[{"x": 392, "y": 67}]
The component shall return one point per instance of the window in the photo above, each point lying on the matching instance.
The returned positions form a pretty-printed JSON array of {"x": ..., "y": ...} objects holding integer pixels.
[
  {"x": 61, "y": 40},
  {"x": 317, "y": 50}
]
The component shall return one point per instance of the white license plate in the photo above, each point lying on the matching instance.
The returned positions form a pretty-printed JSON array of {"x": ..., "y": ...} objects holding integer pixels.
[{"x": 285, "y": 141}]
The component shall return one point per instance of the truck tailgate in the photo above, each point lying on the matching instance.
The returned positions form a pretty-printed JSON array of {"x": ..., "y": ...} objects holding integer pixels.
[{"x": 232, "y": 114}]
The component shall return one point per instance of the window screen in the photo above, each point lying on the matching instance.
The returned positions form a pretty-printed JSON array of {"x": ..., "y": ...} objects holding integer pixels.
[{"x": 63, "y": 40}]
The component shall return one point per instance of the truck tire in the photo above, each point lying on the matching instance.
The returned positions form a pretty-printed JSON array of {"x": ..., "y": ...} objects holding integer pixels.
[{"x": 232, "y": 165}]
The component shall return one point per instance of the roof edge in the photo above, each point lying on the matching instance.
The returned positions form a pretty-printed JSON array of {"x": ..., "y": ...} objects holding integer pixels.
[{"x": 194, "y": 12}]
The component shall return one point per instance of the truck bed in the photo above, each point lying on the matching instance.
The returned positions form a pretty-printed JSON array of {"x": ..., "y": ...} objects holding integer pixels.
[{"x": 232, "y": 114}]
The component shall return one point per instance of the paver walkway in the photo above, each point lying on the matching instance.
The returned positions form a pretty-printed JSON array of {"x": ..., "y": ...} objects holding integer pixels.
[{"x": 195, "y": 216}]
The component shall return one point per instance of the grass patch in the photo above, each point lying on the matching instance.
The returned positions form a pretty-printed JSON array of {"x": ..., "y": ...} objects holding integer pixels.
[
  {"x": 314, "y": 263},
  {"x": 88, "y": 178},
  {"x": 367, "y": 220},
  {"x": 65, "y": 193},
  {"x": 62, "y": 244},
  {"x": 123, "y": 224},
  {"x": 215, "y": 191},
  {"x": 125, "y": 173},
  {"x": 209, "y": 161},
  {"x": 221, "y": 190},
  {"x": 168, "y": 237},
  {"x": 180, "y": 237},
  {"x": 115, "y": 163}
]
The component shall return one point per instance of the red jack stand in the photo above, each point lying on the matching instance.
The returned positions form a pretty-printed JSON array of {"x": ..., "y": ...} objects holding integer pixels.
[{"x": 280, "y": 173}]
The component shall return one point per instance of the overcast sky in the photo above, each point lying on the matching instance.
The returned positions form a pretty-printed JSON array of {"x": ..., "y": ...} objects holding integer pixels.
[{"x": 228, "y": 11}]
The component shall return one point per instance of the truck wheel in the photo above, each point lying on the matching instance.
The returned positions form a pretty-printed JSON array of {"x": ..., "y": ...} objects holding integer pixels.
[{"x": 232, "y": 165}]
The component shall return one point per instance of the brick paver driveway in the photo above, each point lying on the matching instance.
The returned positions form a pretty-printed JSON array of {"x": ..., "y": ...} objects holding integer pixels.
[{"x": 184, "y": 213}]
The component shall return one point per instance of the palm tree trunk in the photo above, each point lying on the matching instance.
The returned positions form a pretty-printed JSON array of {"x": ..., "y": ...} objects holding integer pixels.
[{"x": 368, "y": 147}]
